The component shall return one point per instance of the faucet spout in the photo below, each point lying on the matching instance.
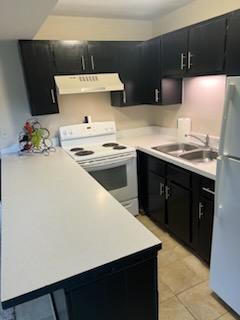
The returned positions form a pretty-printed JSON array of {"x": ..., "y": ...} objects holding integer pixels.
[{"x": 205, "y": 142}]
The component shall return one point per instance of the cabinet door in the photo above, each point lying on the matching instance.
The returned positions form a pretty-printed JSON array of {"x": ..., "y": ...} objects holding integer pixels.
[
  {"x": 179, "y": 209},
  {"x": 233, "y": 45},
  {"x": 171, "y": 91},
  {"x": 128, "y": 294},
  {"x": 70, "y": 57},
  {"x": 129, "y": 63},
  {"x": 174, "y": 53},
  {"x": 156, "y": 197},
  {"x": 151, "y": 72},
  {"x": 37, "y": 63},
  {"x": 142, "y": 295},
  {"x": 103, "y": 56},
  {"x": 104, "y": 300},
  {"x": 205, "y": 227},
  {"x": 207, "y": 47}
]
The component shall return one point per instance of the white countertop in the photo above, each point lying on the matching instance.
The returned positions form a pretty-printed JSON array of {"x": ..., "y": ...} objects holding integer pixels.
[
  {"x": 145, "y": 138},
  {"x": 58, "y": 222}
]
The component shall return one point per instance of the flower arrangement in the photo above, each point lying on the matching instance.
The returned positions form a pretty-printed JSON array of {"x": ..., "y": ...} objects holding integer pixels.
[{"x": 35, "y": 139}]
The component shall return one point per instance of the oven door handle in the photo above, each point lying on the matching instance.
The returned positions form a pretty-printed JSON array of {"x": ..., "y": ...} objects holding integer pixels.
[{"x": 109, "y": 164}]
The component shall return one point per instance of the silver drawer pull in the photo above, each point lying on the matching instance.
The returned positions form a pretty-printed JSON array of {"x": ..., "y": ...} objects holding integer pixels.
[
  {"x": 92, "y": 63},
  {"x": 124, "y": 97},
  {"x": 167, "y": 192},
  {"x": 156, "y": 95},
  {"x": 208, "y": 190},
  {"x": 183, "y": 57},
  {"x": 83, "y": 63},
  {"x": 53, "y": 96},
  {"x": 190, "y": 55},
  {"x": 200, "y": 211},
  {"x": 162, "y": 187}
]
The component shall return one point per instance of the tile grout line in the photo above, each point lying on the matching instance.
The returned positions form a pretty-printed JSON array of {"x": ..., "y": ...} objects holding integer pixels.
[
  {"x": 180, "y": 292},
  {"x": 193, "y": 286},
  {"x": 194, "y": 317}
]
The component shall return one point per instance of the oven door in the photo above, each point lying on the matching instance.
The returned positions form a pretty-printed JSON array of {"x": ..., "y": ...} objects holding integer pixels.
[{"x": 117, "y": 175}]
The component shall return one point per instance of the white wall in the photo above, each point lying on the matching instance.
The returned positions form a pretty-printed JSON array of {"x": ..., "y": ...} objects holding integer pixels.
[
  {"x": 13, "y": 99},
  {"x": 194, "y": 12},
  {"x": 73, "y": 108},
  {"x": 203, "y": 102},
  {"x": 83, "y": 28}
]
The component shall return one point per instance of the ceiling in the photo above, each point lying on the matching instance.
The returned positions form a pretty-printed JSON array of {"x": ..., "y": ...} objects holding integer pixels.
[
  {"x": 122, "y": 9},
  {"x": 21, "y": 19}
]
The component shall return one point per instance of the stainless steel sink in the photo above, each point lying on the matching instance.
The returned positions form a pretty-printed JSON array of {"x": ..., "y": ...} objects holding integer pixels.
[
  {"x": 176, "y": 149},
  {"x": 189, "y": 152},
  {"x": 203, "y": 155}
]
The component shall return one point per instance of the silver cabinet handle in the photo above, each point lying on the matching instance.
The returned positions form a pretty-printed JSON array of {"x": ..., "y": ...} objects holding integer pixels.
[
  {"x": 92, "y": 63},
  {"x": 162, "y": 187},
  {"x": 167, "y": 192},
  {"x": 200, "y": 211},
  {"x": 183, "y": 57},
  {"x": 53, "y": 96},
  {"x": 157, "y": 91},
  {"x": 190, "y": 55},
  {"x": 208, "y": 190},
  {"x": 83, "y": 63},
  {"x": 124, "y": 97}
]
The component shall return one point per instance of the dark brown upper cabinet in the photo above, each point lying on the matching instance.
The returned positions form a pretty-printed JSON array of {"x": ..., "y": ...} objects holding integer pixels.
[
  {"x": 206, "y": 50},
  {"x": 197, "y": 50},
  {"x": 103, "y": 56},
  {"x": 233, "y": 45},
  {"x": 174, "y": 53},
  {"x": 151, "y": 71},
  {"x": 70, "y": 57},
  {"x": 38, "y": 70},
  {"x": 129, "y": 72},
  {"x": 155, "y": 90}
]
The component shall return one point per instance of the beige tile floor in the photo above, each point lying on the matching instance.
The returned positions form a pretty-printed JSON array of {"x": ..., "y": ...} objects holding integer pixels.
[{"x": 183, "y": 283}]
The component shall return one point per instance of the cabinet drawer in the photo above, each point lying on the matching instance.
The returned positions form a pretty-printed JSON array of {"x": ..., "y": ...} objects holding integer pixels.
[
  {"x": 207, "y": 188},
  {"x": 157, "y": 166},
  {"x": 179, "y": 176}
]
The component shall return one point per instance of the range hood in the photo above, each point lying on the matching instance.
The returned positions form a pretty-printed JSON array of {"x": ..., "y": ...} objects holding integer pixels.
[{"x": 85, "y": 83}]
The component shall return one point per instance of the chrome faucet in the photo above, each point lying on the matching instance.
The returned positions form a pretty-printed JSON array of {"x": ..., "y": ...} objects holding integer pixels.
[{"x": 205, "y": 142}]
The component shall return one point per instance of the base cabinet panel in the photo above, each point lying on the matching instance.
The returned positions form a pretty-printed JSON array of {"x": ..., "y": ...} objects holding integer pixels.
[
  {"x": 178, "y": 208},
  {"x": 156, "y": 198},
  {"x": 128, "y": 294},
  {"x": 205, "y": 227}
]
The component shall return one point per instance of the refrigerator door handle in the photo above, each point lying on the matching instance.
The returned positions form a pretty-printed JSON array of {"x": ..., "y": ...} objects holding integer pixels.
[
  {"x": 229, "y": 95},
  {"x": 219, "y": 186}
]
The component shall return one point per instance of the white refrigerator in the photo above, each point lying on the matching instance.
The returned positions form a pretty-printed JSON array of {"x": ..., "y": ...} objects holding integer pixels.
[{"x": 225, "y": 256}]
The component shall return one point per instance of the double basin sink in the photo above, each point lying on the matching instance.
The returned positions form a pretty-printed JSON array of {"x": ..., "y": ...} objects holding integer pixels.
[{"x": 189, "y": 152}]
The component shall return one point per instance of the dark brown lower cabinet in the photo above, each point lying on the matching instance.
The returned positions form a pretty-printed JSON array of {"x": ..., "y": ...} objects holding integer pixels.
[
  {"x": 179, "y": 200},
  {"x": 205, "y": 226},
  {"x": 130, "y": 293},
  {"x": 156, "y": 197},
  {"x": 179, "y": 211}
]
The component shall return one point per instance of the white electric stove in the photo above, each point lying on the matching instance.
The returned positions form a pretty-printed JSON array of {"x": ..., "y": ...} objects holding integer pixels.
[{"x": 94, "y": 146}]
